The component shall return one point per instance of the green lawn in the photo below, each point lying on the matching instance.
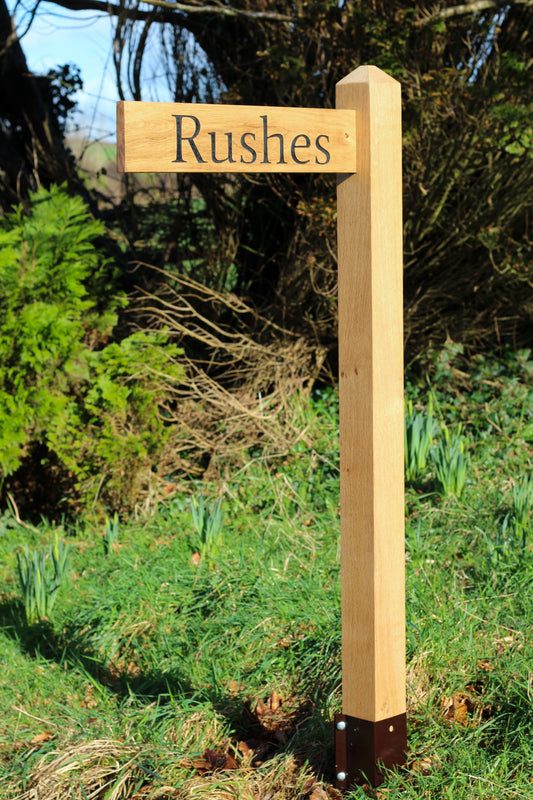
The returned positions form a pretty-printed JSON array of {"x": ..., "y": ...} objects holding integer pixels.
[{"x": 192, "y": 656}]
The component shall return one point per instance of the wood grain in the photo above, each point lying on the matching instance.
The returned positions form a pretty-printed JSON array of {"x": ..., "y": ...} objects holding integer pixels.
[
  {"x": 190, "y": 137},
  {"x": 369, "y": 207}
]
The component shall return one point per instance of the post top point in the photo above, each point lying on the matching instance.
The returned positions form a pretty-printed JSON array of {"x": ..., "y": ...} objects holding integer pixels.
[{"x": 367, "y": 74}]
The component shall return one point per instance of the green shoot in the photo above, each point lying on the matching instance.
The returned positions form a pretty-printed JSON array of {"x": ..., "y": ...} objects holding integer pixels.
[
  {"x": 523, "y": 503},
  {"x": 110, "y": 537},
  {"x": 38, "y": 583},
  {"x": 420, "y": 429},
  {"x": 208, "y": 521},
  {"x": 451, "y": 462}
]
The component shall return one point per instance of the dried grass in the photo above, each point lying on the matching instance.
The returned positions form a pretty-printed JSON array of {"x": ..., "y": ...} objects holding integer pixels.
[
  {"x": 92, "y": 770},
  {"x": 104, "y": 769},
  {"x": 243, "y": 372},
  {"x": 420, "y": 686},
  {"x": 282, "y": 778}
]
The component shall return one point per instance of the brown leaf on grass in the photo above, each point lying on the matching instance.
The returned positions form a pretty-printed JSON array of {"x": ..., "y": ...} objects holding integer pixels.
[
  {"x": 458, "y": 708},
  {"x": 40, "y": 738},
  {"x": 271, "y": 721},
  {"x": 274, "y": 714},
  {"x": 424, "y": 765},
  {"x": 255, "y": 749},
  {"x": 212, "y": 761},
  {"x": 319, "y": 793},
  {"x": 196, "y": 558},
  {"x": 485, "y": 665},
  {"x": 315, "y": 790},
  {"x": 275, "y": 701}
]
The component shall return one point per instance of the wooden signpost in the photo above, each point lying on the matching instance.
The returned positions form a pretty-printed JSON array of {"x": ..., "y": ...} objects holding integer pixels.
[{"x": 360, "y": 140}]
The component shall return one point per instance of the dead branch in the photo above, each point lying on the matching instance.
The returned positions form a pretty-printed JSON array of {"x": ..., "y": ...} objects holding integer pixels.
[
  {"x": 170, "y": 9},
  {"x": 474, "y": 7}
]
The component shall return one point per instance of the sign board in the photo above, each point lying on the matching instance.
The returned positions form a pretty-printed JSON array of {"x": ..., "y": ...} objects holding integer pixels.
[
  {"x": 360, "y": 140},
  {"x": 192, "y": 137}
]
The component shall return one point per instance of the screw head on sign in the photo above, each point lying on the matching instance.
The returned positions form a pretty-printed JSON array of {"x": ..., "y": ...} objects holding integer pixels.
[
  {"x": 341, "y": 725},
  {"x": 341, "y": 776}
]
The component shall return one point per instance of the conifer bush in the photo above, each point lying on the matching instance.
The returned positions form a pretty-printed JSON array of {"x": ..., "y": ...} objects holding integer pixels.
[{"x": 87, "y": 404}]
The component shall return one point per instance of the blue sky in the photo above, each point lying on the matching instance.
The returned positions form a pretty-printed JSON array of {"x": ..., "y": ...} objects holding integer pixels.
[{"x": 58, "y": 37}]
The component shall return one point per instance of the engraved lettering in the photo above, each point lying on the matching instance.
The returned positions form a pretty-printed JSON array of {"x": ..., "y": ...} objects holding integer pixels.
[
  {"x": 266, "y": 137},
  {"x": 248, "y": 147},
  {"x": 294, "y": 145},
  {"x": 322, "y": 149},
  {"x": 229, "y": 157},
  {"x": 180, "y": 138}
]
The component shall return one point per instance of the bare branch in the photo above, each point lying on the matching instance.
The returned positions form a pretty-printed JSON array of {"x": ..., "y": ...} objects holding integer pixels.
[
  {"x": 471, "y": 8},
  {"x": 171, "y": 8}
]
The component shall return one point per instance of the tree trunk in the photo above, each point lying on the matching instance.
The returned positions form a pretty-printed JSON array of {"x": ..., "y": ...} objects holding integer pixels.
[{"x": 32, "y": 149}]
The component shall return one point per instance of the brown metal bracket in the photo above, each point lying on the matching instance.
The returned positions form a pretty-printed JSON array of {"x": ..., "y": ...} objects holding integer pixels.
[{"x": 363, "y": 748}]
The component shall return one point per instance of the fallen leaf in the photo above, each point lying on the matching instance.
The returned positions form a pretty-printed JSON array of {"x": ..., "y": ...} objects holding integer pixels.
[
  {"x": 318, "y": 793},
  {"x": 275, "y": 701},
  {"x": 423, "y": 765},
  {"x": 458, "y": 708},
  {"x": 196, "y": 558},
  {"x": 261, "y": 709},
  {"x": 212, "y": 761},
  {"x": 273, "y": 714},
  {"x": 45, "y": 736}
]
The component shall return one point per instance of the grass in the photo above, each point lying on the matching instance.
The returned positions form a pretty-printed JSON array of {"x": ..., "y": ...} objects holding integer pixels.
[{"x": 167, "y": 673}]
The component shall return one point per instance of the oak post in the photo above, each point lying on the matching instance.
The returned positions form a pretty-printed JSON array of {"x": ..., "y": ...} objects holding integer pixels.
[{"x": 371, "y": 729}]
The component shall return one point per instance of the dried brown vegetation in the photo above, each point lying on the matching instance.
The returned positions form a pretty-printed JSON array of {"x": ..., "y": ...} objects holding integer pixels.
[{"x": 243, "y": 373}]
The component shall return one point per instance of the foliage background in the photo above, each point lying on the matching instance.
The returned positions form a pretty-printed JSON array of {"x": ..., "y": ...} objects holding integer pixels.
[{"x": 241, "y": 274}]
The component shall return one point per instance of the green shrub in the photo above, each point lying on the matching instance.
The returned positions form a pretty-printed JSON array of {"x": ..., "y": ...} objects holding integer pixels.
[{"x": 87, "y": 404}]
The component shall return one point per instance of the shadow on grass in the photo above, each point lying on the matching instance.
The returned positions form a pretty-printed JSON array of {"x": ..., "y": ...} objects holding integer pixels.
[
  {"x": 515, "y": 725},
  {"x": 268, "y": 725},
  {"x": 32, "y": 639},
  {"x": 41, "y": 640},
  {"x": 299, "y": 724}
]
